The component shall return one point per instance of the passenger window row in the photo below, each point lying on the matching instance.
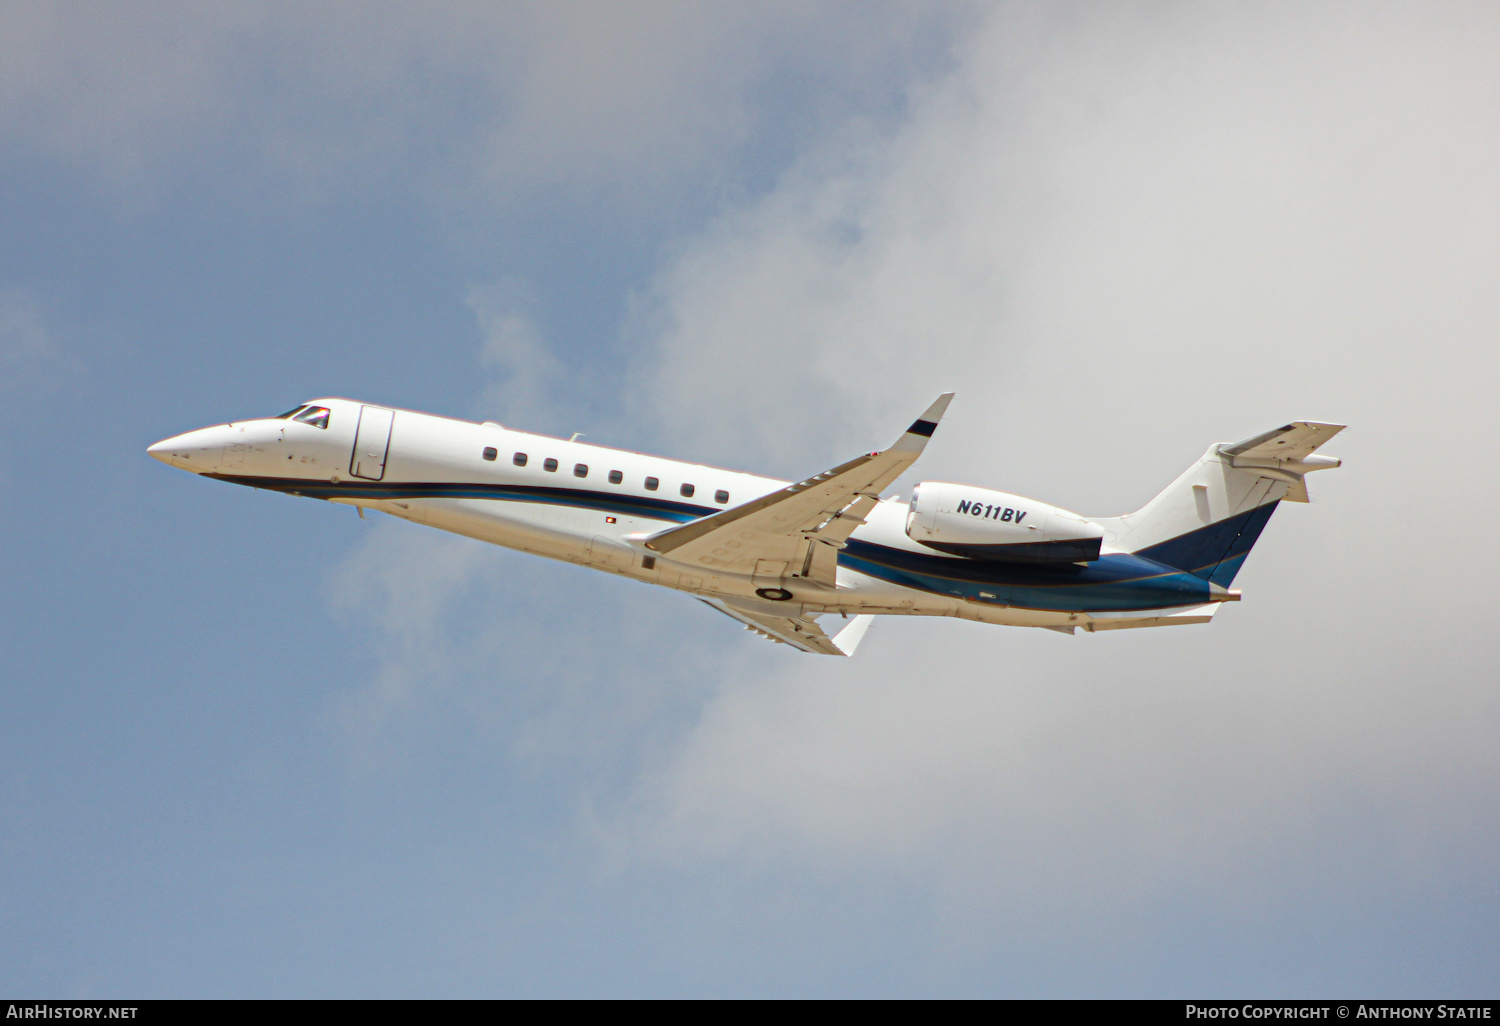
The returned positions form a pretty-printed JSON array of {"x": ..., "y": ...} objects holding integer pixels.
[{"x": 615, "y": 476}]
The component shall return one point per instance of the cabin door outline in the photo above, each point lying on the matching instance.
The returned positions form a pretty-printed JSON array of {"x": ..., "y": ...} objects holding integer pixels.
[{"x": 372, "y": 442}]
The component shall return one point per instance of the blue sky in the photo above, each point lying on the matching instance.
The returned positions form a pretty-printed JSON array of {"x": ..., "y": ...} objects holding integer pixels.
[{"x": 258, "y": 746}]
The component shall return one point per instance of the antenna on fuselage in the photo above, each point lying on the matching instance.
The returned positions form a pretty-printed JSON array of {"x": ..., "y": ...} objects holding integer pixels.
[{"x": 576, "y": 436}]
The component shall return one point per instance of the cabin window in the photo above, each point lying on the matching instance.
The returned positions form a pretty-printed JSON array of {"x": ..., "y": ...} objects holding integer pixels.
[
  {"x": 652, "y": 484},
  {"x": 317, "y": 416},
  {"x": 490, "y": 452},
  {"x": 687, "y": 491},
  {"x": 519, "y": 459},
  {"x": 648, "y": 562},
  {"x": 615, "y": 477},
  {"x": 549, "y": 464},
  {"x": 721, "y": 496},
  {"x": 580, "y": 470}
]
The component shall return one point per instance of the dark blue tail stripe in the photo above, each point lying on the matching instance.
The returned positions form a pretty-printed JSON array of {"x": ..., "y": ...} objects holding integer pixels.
[{"x": 1216, "y": 552}]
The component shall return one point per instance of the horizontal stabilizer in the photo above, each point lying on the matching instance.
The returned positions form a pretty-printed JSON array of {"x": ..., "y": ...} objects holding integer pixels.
[
  {"x": 1295, "y": 441},
  {"x": 1285, "y": 454}
]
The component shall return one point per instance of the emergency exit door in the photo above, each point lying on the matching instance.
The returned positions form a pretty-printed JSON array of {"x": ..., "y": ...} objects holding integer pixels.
[{"x": 371, "y": 443}]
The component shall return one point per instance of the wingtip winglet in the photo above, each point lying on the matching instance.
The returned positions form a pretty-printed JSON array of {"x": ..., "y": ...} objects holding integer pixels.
[
  {"x": 929, "y": 419},
  {"x": 927, "y": 423}
]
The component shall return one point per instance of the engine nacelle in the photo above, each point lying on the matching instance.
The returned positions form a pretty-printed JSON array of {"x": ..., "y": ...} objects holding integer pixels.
[{"x": 984, "y": 524}]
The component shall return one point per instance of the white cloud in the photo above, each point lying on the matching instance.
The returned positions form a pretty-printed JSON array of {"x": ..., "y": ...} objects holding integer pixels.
[
  {"x": 484, "y": 102},
  {"x": 530, "y": 383},
  {"x": 562, "y": 676},
  {"x": 1122, "y": 234},
  {"x": 404, "y": 585}
]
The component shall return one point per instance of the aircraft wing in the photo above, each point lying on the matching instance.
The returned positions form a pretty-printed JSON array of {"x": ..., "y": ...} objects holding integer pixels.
[
  {"x": 798, "y": 631},
  {"x": 1295, "y": 441},
  {"x": 798, "y": 530}
]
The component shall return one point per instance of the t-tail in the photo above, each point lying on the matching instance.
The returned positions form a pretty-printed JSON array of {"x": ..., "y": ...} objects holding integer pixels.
[{"x": 1206, "y": 521}]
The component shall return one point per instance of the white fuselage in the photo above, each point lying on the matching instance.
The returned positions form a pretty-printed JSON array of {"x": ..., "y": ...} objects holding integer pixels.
[
  {"x": 776, "y": 554},
  {"x": 577, "y": 511}
]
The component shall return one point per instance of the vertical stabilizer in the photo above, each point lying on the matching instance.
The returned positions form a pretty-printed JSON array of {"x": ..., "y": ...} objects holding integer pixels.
[{"x": 1206, "y": 521}]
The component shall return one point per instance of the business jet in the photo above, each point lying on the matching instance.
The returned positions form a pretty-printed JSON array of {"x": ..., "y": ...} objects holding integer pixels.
[{"x": 779, "y": 556}]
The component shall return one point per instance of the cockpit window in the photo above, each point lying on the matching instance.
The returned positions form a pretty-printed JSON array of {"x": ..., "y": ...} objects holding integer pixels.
[
  {"x": 287, "y": 415},
  {"x": 317, "y": 416}
]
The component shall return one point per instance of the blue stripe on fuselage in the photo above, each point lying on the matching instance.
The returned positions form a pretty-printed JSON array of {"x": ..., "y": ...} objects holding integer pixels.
[
  {"x": 608, "y": 502},
  {"x": 1117, "y": 581}
]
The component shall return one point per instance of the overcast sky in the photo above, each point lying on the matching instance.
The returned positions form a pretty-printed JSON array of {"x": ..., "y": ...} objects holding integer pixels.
[{"x": 259, "y": 747}]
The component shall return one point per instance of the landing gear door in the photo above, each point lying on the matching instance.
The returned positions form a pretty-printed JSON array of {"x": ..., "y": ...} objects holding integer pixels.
[{"x": 371, "y": 442}]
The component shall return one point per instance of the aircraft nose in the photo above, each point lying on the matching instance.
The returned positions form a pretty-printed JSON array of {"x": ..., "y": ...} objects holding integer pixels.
[{"x": 198, "y": 451}]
